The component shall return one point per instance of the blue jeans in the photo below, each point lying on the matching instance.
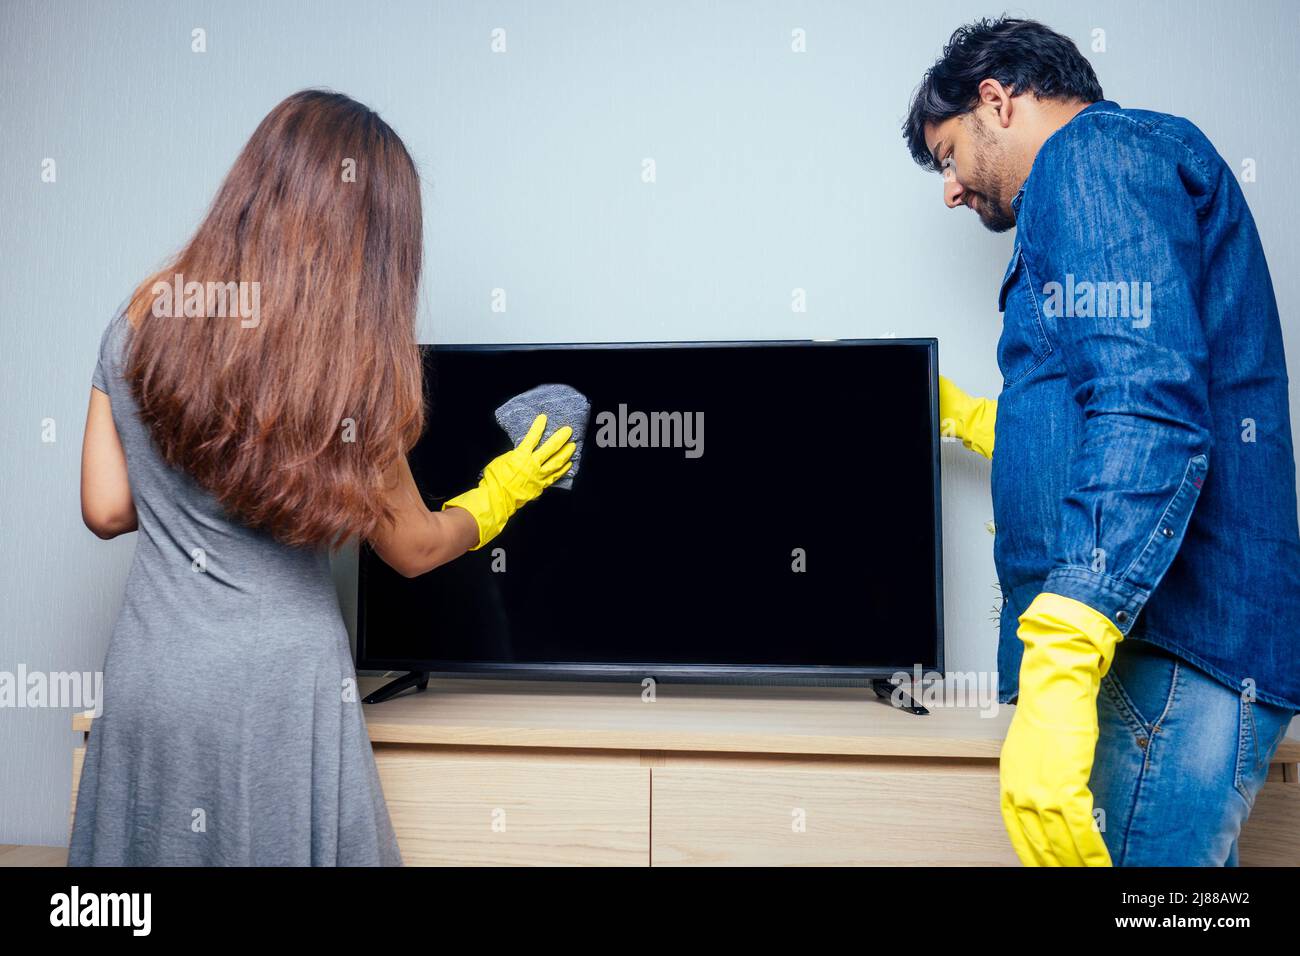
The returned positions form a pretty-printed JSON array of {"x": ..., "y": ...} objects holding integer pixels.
[{"x": 1180, "y": 759}]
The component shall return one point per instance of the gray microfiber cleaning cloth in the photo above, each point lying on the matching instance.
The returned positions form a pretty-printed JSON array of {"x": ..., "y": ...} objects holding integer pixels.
[{"x": 562, "y": 405}]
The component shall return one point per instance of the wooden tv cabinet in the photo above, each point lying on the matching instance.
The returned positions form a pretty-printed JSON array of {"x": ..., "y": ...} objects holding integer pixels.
[{"x": 481, "y": 772}]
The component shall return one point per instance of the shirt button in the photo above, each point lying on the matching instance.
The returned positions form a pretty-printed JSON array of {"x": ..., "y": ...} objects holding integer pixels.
[
  {"x": 1121, "y": 616},
  {"x": 1168, "y": 532}
]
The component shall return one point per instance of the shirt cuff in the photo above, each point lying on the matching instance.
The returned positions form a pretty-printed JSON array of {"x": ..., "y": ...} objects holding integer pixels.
[{"x": 1119, "y": 603}]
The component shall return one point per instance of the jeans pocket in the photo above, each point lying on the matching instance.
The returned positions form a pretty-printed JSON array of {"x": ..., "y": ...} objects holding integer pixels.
[
  {"x": 1142, "y": 685},
  {"x": 1257, "y": 738},
  {"x": 1113, "y": 690}
]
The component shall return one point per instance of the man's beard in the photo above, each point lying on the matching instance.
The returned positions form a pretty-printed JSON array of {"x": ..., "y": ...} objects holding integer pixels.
[
  {"x": 990, "y": 167},
  {"x": 995, "y": 217}
]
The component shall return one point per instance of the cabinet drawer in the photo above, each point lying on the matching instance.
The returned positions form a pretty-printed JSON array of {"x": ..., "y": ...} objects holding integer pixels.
[
  {"x": 502, "y": 807},
  {"x": 837, "y": 816},
  {"x": 1271, "y": 837},
  {"x": 78, "y": 760}
]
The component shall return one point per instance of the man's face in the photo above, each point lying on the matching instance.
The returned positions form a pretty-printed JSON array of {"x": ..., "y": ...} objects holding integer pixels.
[{"x": 976, "y": 169}]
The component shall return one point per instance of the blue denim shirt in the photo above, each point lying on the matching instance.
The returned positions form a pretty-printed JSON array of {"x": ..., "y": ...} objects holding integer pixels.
[{"x": 1144, "y": 463}]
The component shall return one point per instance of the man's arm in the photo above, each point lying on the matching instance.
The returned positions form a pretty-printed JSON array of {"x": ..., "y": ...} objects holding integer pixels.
[
  {"x": 1125, "y": 222},
  {"x": 970, "y": 419},
  {"x": 1139, "y": 373}
]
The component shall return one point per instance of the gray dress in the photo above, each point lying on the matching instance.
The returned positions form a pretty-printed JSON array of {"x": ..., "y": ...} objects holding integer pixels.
[{"x": 232, "y": 730}]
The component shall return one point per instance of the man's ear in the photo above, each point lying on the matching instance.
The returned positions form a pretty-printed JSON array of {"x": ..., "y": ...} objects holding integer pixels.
[{"x": 998, "y": 98}]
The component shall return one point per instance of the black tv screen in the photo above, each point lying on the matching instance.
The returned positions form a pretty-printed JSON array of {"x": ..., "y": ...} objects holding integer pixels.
[{"x": 791, "y": 531}]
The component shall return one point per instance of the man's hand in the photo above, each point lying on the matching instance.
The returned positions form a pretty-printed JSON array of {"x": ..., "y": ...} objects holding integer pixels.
[
  {"x": 970, "y": 419},
  {"x": 1048, "y": 754}
]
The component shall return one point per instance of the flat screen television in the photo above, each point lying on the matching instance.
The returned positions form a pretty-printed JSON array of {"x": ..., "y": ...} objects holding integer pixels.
[{"x": 787, "y": 530}]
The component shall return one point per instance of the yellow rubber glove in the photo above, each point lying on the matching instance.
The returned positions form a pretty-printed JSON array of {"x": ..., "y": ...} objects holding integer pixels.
[
  {"x": 517, "y": 477},
  {"x": 1048, "y": 754},
  {"x": 970, "y": 419}
]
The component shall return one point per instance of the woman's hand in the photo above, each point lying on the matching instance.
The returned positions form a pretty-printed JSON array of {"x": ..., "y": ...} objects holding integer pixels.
[
  {"x": 419, "y": 540},
  {"x": 515, "y": 478}
]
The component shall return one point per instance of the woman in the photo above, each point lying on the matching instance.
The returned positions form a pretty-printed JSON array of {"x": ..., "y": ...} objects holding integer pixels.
[{"x": 247, "y": 426}]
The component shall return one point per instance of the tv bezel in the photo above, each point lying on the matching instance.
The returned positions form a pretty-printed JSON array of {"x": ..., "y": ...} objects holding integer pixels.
[{"x": 742, "y": 673}]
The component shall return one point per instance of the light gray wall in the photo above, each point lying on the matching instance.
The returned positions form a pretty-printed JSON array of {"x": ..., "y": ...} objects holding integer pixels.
[{"x": 775, "y": 170}]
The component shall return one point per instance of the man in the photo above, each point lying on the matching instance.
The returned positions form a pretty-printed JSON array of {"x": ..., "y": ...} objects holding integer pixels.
[{"x": 1144, "y": 479}]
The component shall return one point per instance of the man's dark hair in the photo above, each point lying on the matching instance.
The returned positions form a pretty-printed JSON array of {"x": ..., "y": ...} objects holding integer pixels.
[{"x": 1022, "y": 55}]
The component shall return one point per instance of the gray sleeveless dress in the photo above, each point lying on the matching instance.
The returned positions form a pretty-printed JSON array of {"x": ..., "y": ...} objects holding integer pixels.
[{"x": 232, "y": 730}]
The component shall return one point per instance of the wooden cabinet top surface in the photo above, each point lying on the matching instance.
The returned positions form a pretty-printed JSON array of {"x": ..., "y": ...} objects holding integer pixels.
[{"x": 683, "y": 717}]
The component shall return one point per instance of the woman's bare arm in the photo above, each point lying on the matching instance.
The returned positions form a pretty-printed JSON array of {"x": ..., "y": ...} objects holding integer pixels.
[
  {"x": 419, "y": 540},
  {"x": 107, "y": 507}
]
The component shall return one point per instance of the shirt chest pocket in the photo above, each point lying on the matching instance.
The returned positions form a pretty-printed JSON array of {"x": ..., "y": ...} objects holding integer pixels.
[{"x": 1023, "y": 345}]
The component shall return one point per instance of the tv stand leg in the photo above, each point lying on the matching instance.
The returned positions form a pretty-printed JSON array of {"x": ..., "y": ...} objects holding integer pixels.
[
  {"x": 885, "y": 689},
  {"x": 416, "y": 679}
]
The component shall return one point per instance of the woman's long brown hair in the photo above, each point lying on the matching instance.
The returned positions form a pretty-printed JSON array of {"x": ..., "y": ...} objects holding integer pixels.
[{"x": 291, "y": 419}]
